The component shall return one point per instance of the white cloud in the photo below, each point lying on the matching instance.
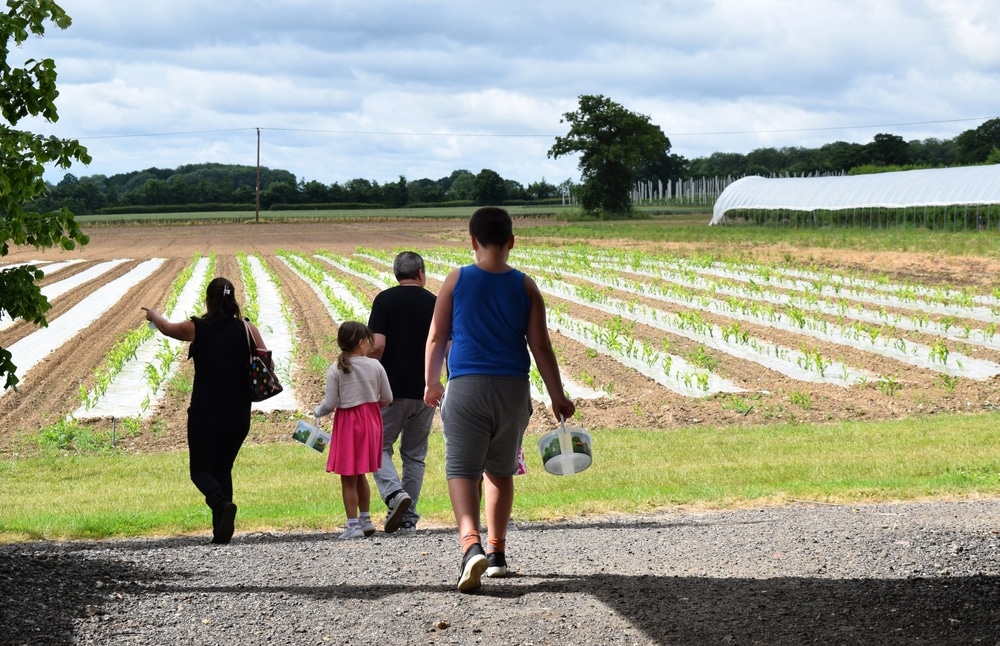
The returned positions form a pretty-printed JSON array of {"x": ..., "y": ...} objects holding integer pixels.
[{"x": 345, "y": 89}]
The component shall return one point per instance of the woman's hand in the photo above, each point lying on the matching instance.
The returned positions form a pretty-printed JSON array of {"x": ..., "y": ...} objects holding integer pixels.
[{"x": 182, "y": 331}]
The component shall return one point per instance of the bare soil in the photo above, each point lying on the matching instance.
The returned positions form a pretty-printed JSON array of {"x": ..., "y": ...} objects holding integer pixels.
[{"x": 52, "y": 389}]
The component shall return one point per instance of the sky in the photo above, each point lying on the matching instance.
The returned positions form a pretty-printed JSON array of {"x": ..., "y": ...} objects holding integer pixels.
[{"x": 376, "y": 89}]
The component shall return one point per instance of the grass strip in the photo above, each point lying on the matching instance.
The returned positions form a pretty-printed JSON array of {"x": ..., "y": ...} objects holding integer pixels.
[{"x": 284, "y": 486}]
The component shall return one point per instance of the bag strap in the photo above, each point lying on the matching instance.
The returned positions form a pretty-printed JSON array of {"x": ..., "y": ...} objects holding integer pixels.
[{"x": 246, "y": 326}]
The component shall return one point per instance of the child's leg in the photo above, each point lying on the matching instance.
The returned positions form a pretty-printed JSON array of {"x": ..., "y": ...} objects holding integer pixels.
[
  {"x": 349, "y": 491},
  {"x": 499, "y": 502},
  {"x": 464, "y": 494},
  {"x": 364, "y": 493}
]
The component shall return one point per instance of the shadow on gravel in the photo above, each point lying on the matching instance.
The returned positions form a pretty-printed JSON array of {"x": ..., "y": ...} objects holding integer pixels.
[
  {"x": 783, "y": 611},
  {"x": 42, "y": 594},
  {"x": 688, "y": 610}
]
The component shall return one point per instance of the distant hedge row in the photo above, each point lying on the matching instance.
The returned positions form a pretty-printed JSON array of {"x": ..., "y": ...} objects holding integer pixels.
[{"x": 960, "y": 217}]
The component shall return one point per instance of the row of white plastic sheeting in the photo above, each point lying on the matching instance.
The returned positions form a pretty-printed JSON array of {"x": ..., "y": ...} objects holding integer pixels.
[{"x": 930, "y": 187}]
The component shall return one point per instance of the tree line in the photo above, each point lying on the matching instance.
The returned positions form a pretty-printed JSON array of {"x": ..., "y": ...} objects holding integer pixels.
[{"x": 224, "y": 186}]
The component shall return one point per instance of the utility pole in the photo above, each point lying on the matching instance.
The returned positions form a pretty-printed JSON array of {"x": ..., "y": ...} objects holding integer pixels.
[{"x": 257, "y": 194}]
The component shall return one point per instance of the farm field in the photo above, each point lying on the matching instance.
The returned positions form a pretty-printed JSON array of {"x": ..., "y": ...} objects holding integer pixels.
[{"x": 649, "y": 335}]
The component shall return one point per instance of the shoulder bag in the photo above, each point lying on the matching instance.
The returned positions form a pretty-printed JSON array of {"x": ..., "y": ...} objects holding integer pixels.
[{"x": 263, "y": 382}]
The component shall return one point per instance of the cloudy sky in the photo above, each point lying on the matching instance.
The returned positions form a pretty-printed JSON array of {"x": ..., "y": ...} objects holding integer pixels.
[{"x": 382, "y": 88}]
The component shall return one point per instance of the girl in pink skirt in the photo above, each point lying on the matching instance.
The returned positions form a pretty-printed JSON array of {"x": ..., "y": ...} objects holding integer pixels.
[{"x": 356, "y": 389}]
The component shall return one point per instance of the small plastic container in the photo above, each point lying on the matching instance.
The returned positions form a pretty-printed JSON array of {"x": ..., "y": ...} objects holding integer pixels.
[
  {"x": 311, "y": 435},
  {"x": 566, "y": 450}
]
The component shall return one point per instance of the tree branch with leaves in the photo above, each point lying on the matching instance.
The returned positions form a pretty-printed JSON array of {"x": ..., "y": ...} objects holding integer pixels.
[{"x": 29, "y": 90}]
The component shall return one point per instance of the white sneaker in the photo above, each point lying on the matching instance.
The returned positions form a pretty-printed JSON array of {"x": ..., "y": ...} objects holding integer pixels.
[
  {"x": 367, "y": 527},
  {"x": 353, "y": 532}
]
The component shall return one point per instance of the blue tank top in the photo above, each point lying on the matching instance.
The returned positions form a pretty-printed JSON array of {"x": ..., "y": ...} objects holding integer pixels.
[{"x": 489, "y": 324}]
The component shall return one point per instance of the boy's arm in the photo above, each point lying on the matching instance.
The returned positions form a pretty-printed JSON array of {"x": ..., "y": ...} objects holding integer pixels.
[
  {"x": 545, "y": 357},
  {"x": 437, "y": 341}
]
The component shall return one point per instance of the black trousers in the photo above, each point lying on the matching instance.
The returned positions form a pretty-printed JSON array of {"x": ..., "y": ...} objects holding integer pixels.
[{"x": 214, "y": 441}]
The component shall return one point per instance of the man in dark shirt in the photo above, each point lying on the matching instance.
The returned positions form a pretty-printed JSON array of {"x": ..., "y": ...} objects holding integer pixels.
[{"x": 400, "y": 320}]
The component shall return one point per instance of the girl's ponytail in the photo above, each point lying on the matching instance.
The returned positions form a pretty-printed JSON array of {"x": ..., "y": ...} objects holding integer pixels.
[{"x": 344, "y": 363}]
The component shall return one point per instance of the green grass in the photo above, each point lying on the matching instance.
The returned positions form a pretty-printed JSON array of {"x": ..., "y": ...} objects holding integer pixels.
[
  {"x": 285, "y": 486},
  {"x": 679, "y": 224},
  {"x": 742, "y": 241}
]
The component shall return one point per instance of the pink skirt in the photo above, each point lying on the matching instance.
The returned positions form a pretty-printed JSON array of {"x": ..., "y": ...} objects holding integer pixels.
[{"x": 356, "y": 440}]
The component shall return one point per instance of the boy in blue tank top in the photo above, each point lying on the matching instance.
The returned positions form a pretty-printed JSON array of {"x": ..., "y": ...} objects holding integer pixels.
[{"x": 493, "y": 315}]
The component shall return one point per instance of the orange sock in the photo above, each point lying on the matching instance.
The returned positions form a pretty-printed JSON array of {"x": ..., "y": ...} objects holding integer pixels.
[
  {"x": 470, "y": 539},
  {"x": 496, "y": 545}
]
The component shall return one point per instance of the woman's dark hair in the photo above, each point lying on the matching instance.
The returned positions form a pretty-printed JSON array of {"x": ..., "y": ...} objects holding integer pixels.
[
  {"x": 349, "y": 335},
  {"x": 220, "y": 300},
  {"x": 491, "y": 226}
]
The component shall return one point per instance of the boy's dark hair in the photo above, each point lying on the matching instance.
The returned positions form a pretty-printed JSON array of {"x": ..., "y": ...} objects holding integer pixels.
[{"x": 491, "y": 226}]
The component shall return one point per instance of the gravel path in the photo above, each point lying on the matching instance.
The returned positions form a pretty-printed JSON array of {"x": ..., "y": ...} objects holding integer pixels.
[{"x": 915, "y": 573}]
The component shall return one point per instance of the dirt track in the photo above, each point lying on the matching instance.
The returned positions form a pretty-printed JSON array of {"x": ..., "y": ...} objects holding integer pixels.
[{"x": 917, "y": 573}]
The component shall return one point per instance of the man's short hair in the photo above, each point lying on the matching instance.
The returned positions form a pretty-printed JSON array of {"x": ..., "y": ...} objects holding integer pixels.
[
  {"x": 407, "y": 265},
  {"x": 491, "y": 226}
]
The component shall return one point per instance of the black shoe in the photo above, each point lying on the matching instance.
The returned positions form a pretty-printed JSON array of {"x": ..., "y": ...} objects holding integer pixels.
[
  {"x": 397, "y": 507},
  {"x": 223, "y": 524},
  {"x": 497, "y": 565},
  {"x": 473, "y": 565}
]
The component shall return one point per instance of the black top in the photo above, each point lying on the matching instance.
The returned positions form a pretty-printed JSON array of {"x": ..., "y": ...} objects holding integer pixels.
[
  {"x": 221, "y": 365},
  {"x": 403, "y": 314}
]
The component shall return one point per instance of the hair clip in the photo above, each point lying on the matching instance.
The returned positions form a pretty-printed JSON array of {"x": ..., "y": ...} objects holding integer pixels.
[{"x": 226, "y": 291}]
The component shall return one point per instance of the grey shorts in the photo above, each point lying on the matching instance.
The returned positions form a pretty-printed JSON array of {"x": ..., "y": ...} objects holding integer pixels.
[{"x": 483, "y": 419}]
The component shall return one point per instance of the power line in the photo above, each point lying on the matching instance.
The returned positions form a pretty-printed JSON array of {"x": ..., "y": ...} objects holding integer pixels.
[
  {"x": 517, "y": 135},
  {"x": 165, "y": 134},
  {"x": 764, "y": 132}
]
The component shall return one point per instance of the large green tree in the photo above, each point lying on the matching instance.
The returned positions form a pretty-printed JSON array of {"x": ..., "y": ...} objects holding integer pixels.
[
  {"x": 463, "y": 185},
  {"x": 489, "y": 188},
  {"x": 614, "y": 143},
  {"x": 29, "y": 90},
  {"x": 890, "y": 150},
  {"x": 975, "y": 146}
]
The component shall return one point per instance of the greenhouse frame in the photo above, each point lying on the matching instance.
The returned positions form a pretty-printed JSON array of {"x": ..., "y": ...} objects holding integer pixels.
[{"x": 957, "y": 199}]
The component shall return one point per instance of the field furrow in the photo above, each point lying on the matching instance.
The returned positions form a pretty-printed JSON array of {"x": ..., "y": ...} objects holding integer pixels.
[{"x": 643, "y": 339}]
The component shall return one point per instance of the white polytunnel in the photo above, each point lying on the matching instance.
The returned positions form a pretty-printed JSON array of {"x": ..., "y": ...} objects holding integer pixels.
[{"x": 902, "y": 189}]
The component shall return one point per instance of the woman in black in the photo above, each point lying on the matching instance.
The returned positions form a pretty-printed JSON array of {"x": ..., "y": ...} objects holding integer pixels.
[{"x": 219, "y": 414}]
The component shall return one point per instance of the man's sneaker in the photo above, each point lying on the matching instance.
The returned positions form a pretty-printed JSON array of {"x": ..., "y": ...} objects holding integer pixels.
[
  {"x": 408, "y": 527},
  {"x": 367, "y": 527},
  {"x": 400, "y": 503},
  {"x": 496, "y": 565},
  {"x": 473, "y": 565},
  {"x": 353, "y": 532}
]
